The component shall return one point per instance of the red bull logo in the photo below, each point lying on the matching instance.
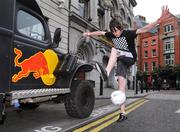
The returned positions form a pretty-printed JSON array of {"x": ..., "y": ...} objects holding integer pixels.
[{"x": 40, "y": 64}]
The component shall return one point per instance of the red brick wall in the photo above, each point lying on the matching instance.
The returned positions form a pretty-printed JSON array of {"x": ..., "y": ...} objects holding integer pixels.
[
  {"x": 159, "y": 44},
  {"x": 149, "y": 59},
  {"x": 173, "y": 20}
]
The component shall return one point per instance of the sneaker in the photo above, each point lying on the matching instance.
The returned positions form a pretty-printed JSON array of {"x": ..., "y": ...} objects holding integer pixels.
[
  {"x": 102, "y": 71},
  {"x": 122, "y": 117}
]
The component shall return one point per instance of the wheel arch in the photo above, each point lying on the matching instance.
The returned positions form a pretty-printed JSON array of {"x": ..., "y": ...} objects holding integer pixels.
[{"x": 70, "y": 77}]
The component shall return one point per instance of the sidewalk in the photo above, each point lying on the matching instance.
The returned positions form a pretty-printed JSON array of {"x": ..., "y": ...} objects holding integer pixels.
[{"x": 129, "y": 93}]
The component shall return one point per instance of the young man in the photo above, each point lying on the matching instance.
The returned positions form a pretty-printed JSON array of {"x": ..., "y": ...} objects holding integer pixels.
[{"x": 123, "y": 52}]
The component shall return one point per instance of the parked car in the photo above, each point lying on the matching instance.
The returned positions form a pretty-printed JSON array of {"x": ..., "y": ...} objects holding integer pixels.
[{"x": 165, "y": 85}]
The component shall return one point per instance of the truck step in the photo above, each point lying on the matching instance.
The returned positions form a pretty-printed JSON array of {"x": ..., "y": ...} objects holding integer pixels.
[{"x": 20, "y": 94}]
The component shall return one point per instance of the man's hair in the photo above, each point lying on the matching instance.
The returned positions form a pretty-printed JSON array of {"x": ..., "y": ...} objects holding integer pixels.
[{"x": 114, "y": 23}]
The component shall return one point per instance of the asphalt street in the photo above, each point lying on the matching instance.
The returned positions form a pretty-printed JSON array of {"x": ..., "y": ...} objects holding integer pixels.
[
  {"x": 48, "y": 114},
  {"x": 160, "y": 114},
  {"x": 50, "y": 117},
  {"x": 157, "y": 112}
]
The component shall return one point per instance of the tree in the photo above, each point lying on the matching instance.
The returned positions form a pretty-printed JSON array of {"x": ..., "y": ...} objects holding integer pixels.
[{"x": 139, "y": 75}]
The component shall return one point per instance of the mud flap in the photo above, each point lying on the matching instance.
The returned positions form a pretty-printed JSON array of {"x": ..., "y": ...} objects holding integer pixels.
[{"x": 2, "y": 109}]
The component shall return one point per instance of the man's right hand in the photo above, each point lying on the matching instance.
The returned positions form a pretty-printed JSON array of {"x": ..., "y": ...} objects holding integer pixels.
[
  {"x": 86, "y": 34},
  {"x": 165, "y": 14}
]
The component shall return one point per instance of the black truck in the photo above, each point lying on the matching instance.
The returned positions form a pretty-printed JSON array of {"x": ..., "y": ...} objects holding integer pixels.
[{"x": 31, "y": 70}]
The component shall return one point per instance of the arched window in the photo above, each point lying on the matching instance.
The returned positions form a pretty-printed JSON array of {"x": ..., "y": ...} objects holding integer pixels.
[
  {"x": 129, "y": 22},
  {"x": 101, "y": 13},
  {"x": 123, "y": 14},
  {"x": 85, "y": 52}
]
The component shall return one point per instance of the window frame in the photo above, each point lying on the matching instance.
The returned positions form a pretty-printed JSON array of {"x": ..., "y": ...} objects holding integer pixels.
[
  {"x": 153, "y": 53},
  {"x": 170, "y": 60},
  {"x": 168, "y": 28},
  {"x": 145, "y": 43},
  {"x": 153, "y": 42},
  {"x": 154, "y": 63},
  {"x": 32, "y": 15},
  {"x": 168, "y": 45},
  {"x": 85, "y": 5},
  {"x": 145, "y": 54},
  {"x": 145, "y": 66}
]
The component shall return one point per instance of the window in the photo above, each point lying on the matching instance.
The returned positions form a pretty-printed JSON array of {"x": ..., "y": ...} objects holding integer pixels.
[
  {"x": 153, "y": 42},
  {"x": 30, "y": 26},
  {"x": 169, "y": 59},
  {"x": 153, "y": 65},
  {"x": 145, "y": 43},
  {"x": 169, "y": 45},
  {"x": 123, "y": 14},
  {"x": 145, "y": 66},
  {"x": 129, "y": 4},
  {"x": 153, "y": 52},
  {"x": 129, "y": 23},
  {"x": 101, "y": 13},
  {"x": 145, "y": 54},
  {"x": 168, "y": 28},
  {"x": 84, "y": 9}
]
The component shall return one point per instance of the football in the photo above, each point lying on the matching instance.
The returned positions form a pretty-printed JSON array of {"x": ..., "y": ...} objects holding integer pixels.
[{"x": 118, "y": 97}]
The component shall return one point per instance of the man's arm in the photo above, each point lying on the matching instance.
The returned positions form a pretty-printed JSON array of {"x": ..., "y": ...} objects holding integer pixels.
[
  {"x": 147, "y": 27},
  {"x": 164, "y": 15},
  {"x": 96, "y": 33}
]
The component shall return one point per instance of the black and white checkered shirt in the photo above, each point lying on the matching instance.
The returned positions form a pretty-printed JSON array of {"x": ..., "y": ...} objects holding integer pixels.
[
  {"x": 120, "y": 43},
  {"x": 124, "y": 44}
]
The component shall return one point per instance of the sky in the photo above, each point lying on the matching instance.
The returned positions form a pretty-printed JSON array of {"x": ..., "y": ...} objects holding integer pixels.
[{"x": 151, "y": 9}]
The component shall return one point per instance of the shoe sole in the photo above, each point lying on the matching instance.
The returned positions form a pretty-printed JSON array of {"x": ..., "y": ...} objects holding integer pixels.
[
  {"x": 123, "y": 119},
  {"x": 100, "y": 71}
]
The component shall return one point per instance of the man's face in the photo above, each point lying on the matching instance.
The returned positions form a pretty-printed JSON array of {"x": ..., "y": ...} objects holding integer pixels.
[{"x": 116, "y": 32}]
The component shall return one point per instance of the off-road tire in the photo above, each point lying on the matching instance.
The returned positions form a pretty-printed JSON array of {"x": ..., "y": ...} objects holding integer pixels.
[{"x": 80, "y": 102}]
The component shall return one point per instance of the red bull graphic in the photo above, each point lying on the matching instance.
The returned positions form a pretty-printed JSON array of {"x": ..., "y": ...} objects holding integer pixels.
[{"x": 40, "y": 64}]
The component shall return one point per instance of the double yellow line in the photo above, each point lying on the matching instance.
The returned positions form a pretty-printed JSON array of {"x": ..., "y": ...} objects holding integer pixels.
[{"x": 109, "y": 119}]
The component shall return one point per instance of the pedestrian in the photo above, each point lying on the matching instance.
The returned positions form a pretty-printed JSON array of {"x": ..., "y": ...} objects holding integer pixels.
[
  {"x": 159, "y": 82},
  {"x": 123, "y": 52}
]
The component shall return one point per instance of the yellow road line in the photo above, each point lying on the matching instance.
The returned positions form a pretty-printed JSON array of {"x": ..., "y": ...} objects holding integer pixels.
[
  {"x": 109, "y": 122},
  {"x": 137, "y": 106},
  {"x": 106, "y": 124},
  {"x": 134, "y": 104},
  {"x": 106, "y": 117},
  {"x": 95, "y": 123}
]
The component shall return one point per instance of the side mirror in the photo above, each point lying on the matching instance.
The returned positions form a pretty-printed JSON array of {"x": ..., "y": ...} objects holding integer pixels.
[{"x": 56, "y": 38}]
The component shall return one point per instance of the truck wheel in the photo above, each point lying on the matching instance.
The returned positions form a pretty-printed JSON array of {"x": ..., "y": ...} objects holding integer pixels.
[
  {"x": 80, "y": 102},
  {"x": 30, "y": 106}
]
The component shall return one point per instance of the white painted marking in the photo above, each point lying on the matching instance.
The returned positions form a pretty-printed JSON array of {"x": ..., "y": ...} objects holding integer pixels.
[
  {"x": 178, "y": 111},
  {"x": 49, "y": 129},
  {"x": 103, "y": 110}
]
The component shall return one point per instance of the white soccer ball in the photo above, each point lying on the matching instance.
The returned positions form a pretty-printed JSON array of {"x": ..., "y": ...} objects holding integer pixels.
[{"x": 118, "y": 97}]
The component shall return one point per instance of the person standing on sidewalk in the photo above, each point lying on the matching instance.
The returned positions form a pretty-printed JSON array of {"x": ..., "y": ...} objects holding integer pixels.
[{"x": 123, "y": 53}]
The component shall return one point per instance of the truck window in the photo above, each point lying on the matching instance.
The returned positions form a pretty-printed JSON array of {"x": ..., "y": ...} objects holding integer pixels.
[{"x": 30, "y": 25}]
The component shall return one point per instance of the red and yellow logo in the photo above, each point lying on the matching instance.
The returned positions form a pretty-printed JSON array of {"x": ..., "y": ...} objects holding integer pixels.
[{"x": 40, "y": 64}]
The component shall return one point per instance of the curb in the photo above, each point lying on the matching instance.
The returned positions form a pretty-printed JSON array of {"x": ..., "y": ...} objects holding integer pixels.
[{"x": 128, "y": 97}]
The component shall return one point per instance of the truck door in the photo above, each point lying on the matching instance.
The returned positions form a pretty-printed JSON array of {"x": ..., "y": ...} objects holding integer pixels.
[{"x": 31, "y": 39}]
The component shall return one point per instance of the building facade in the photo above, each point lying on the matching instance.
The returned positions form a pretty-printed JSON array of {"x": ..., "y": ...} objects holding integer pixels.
[
  {"x": 77, "y": 16},
  {"x": 160, "y": 46},
  {"x": 169, "y": 41}
]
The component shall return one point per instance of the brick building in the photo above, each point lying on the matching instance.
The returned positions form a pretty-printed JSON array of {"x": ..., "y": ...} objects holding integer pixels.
[
  {"x": 160, "y": 46},
  {"x": 169, "y": 41},
  {"x": 148, "y": 51}
]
